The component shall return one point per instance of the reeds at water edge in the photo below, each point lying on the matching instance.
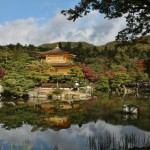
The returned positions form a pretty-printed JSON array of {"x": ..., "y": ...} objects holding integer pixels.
[{"x": 110, "y": 141}]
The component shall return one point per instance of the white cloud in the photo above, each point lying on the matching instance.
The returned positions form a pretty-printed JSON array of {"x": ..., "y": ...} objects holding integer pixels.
[
  {"x": 92, "y": 28},
  {"x": 18, "y": 31}
]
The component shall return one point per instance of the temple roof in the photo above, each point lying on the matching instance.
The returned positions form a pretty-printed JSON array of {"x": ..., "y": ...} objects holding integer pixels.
[{"x": 55, "y": 51}]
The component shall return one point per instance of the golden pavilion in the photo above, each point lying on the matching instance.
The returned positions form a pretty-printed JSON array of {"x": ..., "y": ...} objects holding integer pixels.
[{"x": 61, "y": 61}]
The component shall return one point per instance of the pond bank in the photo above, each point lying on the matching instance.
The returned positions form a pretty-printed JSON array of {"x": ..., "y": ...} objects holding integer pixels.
[{"x": 61, "y": 94}]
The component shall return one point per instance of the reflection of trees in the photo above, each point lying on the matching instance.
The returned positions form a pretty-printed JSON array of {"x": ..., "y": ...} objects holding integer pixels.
[
  {"x": 80, "y": 112},
  {"x": 12, "y": 117}
]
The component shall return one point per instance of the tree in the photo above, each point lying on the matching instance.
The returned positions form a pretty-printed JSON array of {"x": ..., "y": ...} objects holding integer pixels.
[
  {"x": 77, "y": 75},
  {"x": 17, "y": 84},
  {"x": 38, "y": 71},
  {"x": 140, "y": 65},
  {"x": 2, "y": 72},
  {"x": 121, "y": 78},
  {"x": 136, "y": 12},
  {"x": 20, "y": 82},
  {"x": 102, "y": 84},
  {"x": 141, "y": 77},
  {"x": 89, "y": 73}
]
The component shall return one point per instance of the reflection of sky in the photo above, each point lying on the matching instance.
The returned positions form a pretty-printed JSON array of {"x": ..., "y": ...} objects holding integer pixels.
[{"x": 73, "y": 137}]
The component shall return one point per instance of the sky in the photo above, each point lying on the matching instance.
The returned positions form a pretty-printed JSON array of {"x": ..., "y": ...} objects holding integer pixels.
[{"x": 40, "y": 21}]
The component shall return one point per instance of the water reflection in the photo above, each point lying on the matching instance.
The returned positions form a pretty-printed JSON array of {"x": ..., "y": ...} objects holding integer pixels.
[
  {"x": 74, "y": 126},
  {"x": 74, "y": 137}
]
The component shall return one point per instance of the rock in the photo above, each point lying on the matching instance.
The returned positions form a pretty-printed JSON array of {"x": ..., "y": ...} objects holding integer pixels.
[
  {"x": 76, "y": 97},
  {"x": 42, "y": 95},
  {"x": 89, "y": 89},
  {"x": 85, "y": 96},
  {"x": 130, "y": 109},
  {"x": 37, "y": 94},
  {"x": 56, "y": 97},
  {"x": 33, "y": 94}
]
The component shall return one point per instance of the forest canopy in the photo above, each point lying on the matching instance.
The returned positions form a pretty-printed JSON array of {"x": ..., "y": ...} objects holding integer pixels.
[{"x": 107, "y": 66}]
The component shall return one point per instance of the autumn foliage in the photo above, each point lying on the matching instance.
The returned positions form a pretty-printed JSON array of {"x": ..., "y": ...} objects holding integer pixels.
[
  {"x": 89, "y": 73},
  {"x": 140, "y": 65},
  {"x": 2, "y": 73}
]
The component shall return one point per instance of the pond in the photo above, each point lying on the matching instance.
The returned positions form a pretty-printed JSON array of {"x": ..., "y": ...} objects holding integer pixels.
[{"x": 96, "y": 124}]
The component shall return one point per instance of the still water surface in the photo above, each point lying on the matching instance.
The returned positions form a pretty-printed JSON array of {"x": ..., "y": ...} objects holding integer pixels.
[{"x": 101, "y": 121}]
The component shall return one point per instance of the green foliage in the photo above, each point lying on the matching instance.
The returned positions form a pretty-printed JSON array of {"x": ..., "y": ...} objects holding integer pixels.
[
  {"x": 22, "y": 79},
  {"x": 39, "y": 66},
  {"x": 38, "y": 71},
  {"x": 49, "y": 96},
  {"x": 102, "y": 84},
  {"x": 76, "y": 75},
  {"x": 141, "y": 77},
  {"x": 57, "y": 91},
  {"x": 112, "y": 62},
  {"x": 17, "y": 84},
  {"x": 120, "y": 78},
  {"x": 17, "y": 76}
]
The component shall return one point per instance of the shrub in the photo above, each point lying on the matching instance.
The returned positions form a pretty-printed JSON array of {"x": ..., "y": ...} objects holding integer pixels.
[{"x": 57, "y": 91}]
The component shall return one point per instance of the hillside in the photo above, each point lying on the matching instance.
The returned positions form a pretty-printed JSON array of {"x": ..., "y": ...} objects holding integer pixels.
[
  {"x": 65, "y": 44},
  {"x": 142, "y": 42},
  {"x": 113, "y": 63}
]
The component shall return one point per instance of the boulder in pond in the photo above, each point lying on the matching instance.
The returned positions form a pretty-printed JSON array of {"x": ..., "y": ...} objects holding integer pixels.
[{"x": 130, "y": 109}]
